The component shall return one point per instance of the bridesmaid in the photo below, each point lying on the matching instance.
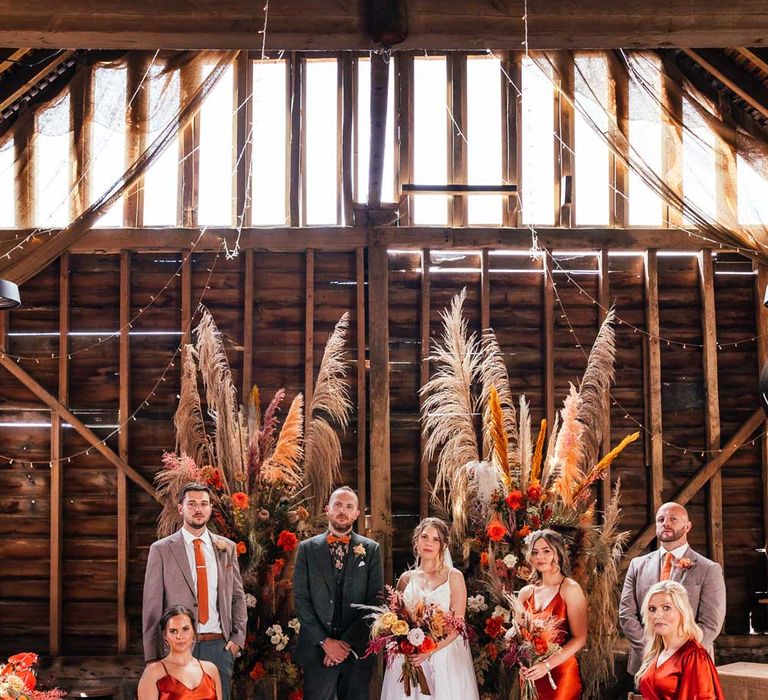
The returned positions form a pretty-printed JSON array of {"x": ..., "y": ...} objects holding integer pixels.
[
  {"x": 178, "y": 675},
  {"x": 553, "y": 593},
  {"x": 675, "y": 665}
]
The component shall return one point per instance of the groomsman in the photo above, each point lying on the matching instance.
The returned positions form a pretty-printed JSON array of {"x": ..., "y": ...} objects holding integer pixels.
[
  {"x": 197, "y": 569},
  {"x": 675, "y": 560},
  {"x": 334, "y": 571}
]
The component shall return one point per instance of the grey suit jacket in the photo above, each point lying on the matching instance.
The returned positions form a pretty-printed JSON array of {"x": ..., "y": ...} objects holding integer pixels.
[
  {"x": 706, "y": 592},
  {"x": 168, "y": 581},
  {"x": 314, "y": 591}
]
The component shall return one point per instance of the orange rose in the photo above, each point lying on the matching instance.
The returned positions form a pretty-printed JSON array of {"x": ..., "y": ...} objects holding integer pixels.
[
  {"x": 287, "y": 540},
  {"x": 484, "y": 559},
  {"x": 534, "y": 492},
  {"x": 524, "y": 531},
  {"x": 258, "y": 671},
  {"x": 241, "y": 548},
  {"x": 493, "y": 626},
  {"x": 540, "y": 645},
  {"x": 427, "y": 645},
  {"x": 514, "y": 500},
  {"x": 240, "y": 500},
  {"x": 496, "y": 530}
]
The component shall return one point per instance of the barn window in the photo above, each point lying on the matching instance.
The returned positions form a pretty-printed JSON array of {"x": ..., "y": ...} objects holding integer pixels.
[{"x": 52, "y": 164}]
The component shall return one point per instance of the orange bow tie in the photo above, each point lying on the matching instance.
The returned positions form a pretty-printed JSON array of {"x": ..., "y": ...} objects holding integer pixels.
[{"x": 333, "y": 539}]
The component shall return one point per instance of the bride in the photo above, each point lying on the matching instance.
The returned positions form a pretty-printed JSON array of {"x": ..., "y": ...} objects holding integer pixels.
[{"x": 448, "y": 669}]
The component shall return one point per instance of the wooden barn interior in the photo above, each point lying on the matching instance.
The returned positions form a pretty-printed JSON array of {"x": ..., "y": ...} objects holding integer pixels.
[{"x": 90, "y": 359}]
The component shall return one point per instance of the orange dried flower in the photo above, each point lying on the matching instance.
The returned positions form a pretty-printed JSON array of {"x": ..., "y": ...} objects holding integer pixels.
[
  {"x": 240, "y": 500},
  {"x": 427, "y": 645},
  {"x": 484, "y": 559},
  {"x": 492, "y": 650},
  {"x": 287, "y": 540},
  {"x": 258, "y": 671},
  {"x": 277, "y": 567},
  {"x": 534, "y": 492},
  {"x": 496, "y": 530},
  {"x": 524, "y": 531},
  {"x": 241, "y": 548},
  {"x": 493, "y": 626},
  {"x": 514, "y": 500},
  {"x": 540, "y": 645}
]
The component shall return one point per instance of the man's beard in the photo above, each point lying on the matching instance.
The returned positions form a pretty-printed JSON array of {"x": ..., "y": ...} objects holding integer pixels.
[
  {"x": 341, "y": 529},
  {"x": 676, "y": 535},
  {"x": 191, "y": 523}
]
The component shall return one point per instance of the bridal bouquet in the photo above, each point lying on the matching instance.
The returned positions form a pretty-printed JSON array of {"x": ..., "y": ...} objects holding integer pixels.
[
  {"x": 18, "y": 680},
  {"x": 396, "y": 630}
]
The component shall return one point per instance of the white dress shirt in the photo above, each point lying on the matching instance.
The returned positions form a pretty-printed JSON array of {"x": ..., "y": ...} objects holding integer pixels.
[
  {"x": 212, "y": 572},
  {"x": 676, "y": 553}
]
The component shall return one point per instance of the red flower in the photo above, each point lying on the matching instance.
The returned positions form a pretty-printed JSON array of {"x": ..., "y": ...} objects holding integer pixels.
[
  {"x": 484, "y": 559},
  {"x": 215, "y": 478},
  {"x": 277, "y": 567},
  {"x": 240, "y": 500},
  {"x": 534, "y": 492},
  {"x": 540, "y": 645},
  {"x": 496, "y": 530},
  {"x": 536, "y": 522},
  {"x": 406, "y": 647},
  {"x": 524, "y": 531},
  {"x": 258, "y": 671},
  {"x": 23, "y": 661},
  {"x": 514, "y": 500},
  {"x": 492, "y": 650},
  {"x": 427, "y": 645},
  {"x": 241, "y": 548},
  {"x": 296, "y": 695},
  {"x": 493, "y": 626},
  {"x": 287, "y": 540},
  {"x": 546, "y": 515}
]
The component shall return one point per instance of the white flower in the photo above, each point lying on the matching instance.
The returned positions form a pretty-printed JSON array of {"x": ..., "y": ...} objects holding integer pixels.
[
  {"x": 250, "y": 600},
  {"x": 501, "y": 612},
  {"x": 510, "y": 561},
  {"x": 276, "y": 639},
  {"x": 476, "y": 603},
  {"x": 416, "y": 636},
  {"x": 294, "y": 624},
  {"x": 273, "y": 630}
]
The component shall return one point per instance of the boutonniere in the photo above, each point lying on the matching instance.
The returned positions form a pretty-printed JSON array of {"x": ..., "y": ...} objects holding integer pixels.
[
  {"x": 221, "y": 545},
  {"x": 359, "y": 550},
  {"x": 684, "y": 563}
]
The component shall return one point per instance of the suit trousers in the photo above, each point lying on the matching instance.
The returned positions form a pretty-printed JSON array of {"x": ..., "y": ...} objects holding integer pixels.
[
  {"x": 220, "y": 657},
  {"x": 347, "y": 681}
]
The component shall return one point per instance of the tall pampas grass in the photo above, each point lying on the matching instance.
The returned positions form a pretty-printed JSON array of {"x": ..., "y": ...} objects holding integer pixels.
[
  {"x": 568, "y": 456},
  {"x": 284, "y": 464},
  {"x": 493, "y": 375},
  {"x": 188, "y": 421}
]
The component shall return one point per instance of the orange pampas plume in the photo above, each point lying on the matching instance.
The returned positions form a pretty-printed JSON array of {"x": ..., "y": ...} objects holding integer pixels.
[
  {"x": 537, "y": 454},
  {"x": 284, "y": 463},
  {"x": 598, "y": 471},
  {"x": 499, "y": 435}
]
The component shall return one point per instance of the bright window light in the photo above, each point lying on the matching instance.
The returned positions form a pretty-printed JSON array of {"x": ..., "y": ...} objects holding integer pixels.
[
  {"x": 216, "y": 144},
  {"x": 538, "y": 155},
  {"x": 484, "y": 137},
  {"x": 645, "y": 140},
  {"x": 268, "y": 176},
  {"x": 699, "y": 162},
  {"x": 162, "y": 179},
  {"x": 7, "y": 185},
  {"x": 364, "y": 134},
  {"x": 752, "y": 189},
  {"x": 322, "y": 153},
  {"x": 52, "y": 186},
  {"x": 108, "y": 138},
  {"x": 592, "y": 160},
  {"x": 430, "y": 138}
]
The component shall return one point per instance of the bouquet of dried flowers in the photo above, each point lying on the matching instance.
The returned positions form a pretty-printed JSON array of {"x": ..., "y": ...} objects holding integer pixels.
[{"x": 19, "y": 682}]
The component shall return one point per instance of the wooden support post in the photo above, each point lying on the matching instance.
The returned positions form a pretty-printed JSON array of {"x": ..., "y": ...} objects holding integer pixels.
[
  {"x": 618, "y": 203},
  {"x": 485, "y": 289},
  {"x": 243, "y": 130},
  {"x": 652, "y": 381},
  {"x": 761, "y": 324},
  {"x": 81, "y": 112},
  {"x": 378, "y": 335},
  {"x": 697, "y": 481},
  {"x": 295, "y": 111},
  {"x": 712, "y": 405},
  {"x": 549, "y": 340},
  {"x": 424, "y": 351},
  {"x": 510, "y": 133},
  {"x": 135, "y": 135},
  {"x": 4, "y": 331},
  {"x": 457, "y": 145},
  {"x": 75, "y": 422},
  {"x": 189, "y": 163},
  {"x": 362, "y": 405},
  {"x": 672, "y": 151},
  {"x": 248, "y": 326},
  {"x": 565, "y": 204},
  {"x": 347, "y": 126},
  {"x": 57, "y": 468},
  {"x": 309, "y": 335},
  {"x": 379, "y": 90},
  {"x": 604, "y": 300},
  {"x": 186, "y": 296},
  {"x": 24, "y": 160},
  {"x": 123, "y": 555},
  {"x": 404, "y": 151}
]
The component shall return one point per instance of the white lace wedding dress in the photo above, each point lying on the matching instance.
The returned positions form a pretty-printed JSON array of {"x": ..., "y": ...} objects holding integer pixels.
[{"x": 449, "y": 671}]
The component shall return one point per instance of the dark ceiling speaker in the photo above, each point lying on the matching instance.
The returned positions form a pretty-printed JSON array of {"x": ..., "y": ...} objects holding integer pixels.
[{"x": 386, "y": 21}]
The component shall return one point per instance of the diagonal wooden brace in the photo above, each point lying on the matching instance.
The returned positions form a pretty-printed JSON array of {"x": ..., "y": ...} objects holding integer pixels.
[{"x": 78, "y": 425}]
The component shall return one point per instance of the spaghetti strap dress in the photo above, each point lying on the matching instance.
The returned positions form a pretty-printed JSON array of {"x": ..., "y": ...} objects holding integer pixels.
[{"x": 171, "y": 688}]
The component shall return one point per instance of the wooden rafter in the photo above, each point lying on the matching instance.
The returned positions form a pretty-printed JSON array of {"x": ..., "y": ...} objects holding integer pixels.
[
  {"x": 754, "y": 58},
  {"x": 11, "y": 57},
  {"x": 29, "y": 79}
]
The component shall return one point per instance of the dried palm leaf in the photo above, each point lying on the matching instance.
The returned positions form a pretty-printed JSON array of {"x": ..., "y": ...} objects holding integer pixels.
[
  {"x": 284, "y": 464},
  {"x": 538, "y": 454},
  {"x": 525, "y": 445},
  {"x": 267, "y": 432},
  {"x": 221, "y": 397},
  {"x": 567, "y": 455},
  {"x": 594, "y": 405},
  {"x": 493, "y": 373},
  {"x": 447, "y": 411},
  {"x": 598, "y": 471},
  {"x": 330, "y": 402},
  {"x": 188, "y": 421},
  {"x": 498, "y": 436}
]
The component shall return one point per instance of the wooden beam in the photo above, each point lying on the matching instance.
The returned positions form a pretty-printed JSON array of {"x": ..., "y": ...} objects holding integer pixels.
[
  {"x": 295, "y": 96},
  {"x": 604, "y": 300},
  {"x": 57, "y": 468},
  {"x": 404, "y": 109},
  {"x": 549, "y": 340},
  {"x": 619, "y": 199},
  {"x": 652, "y": 382},
  {"x": 672, "y": 148},
  {"x": 362, "y": 403},
  {"x": 347, "y": 129},
  {"x": 378, "y": 342},
  {"x": 325, "y": 25},
  {"x": 75, "y": 422},
  {"x": 754, "y": 58},
  {"x": 12, "y": 57},
  {"x": 309, "y": 334},
  {"x": 697, "y": 481},
  {"x": 565, "y": 140},
  {"x": 459, "y": 189},
  {"x": 32, "y": 78},
  {"x": 379, "y": 91},
  {"x": 24, "y": 164},
  {"x": 123, "y": 450},
  {"x": 712, "y": 404},
  {"x": 243, "y": 130},
  {"x": 510, "y": 132},
  {"x": 186, "y": 296},
  {"x": 729, "y": 74},
  {"x": 761, "y": 284},
  {"x": 189, "y": 149},
  {"x": 248, "y": 326},
  {"x": 136, "y": 133},
  {"x": 424, "y": 352},
  {"x": 485, "y": 289},
  {"x": 456, "y": 116},
  {"x": 81, "y": 113}
]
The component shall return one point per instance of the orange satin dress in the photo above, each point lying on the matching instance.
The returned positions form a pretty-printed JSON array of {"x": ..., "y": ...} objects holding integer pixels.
[
  {"x": 171, "y": 688},
  {"x": 566, "y": 676},
  {"x": 689, "y": 674}
]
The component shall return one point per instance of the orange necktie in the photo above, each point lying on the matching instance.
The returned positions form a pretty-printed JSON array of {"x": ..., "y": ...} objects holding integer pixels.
[
  {"x": 202, "y": 582},
  {"x": 666, "y": 567}
]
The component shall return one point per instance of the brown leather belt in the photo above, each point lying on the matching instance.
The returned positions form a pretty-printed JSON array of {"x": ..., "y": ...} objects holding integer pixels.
[{"x": 209, "y": 636}]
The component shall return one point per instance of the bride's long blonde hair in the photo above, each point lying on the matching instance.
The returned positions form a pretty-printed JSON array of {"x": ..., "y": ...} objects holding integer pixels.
[{"x": 688, "y": 628}]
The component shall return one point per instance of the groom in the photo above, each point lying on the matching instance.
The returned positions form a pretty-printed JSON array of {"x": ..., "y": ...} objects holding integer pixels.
[{"x": 334, "y": 571}]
